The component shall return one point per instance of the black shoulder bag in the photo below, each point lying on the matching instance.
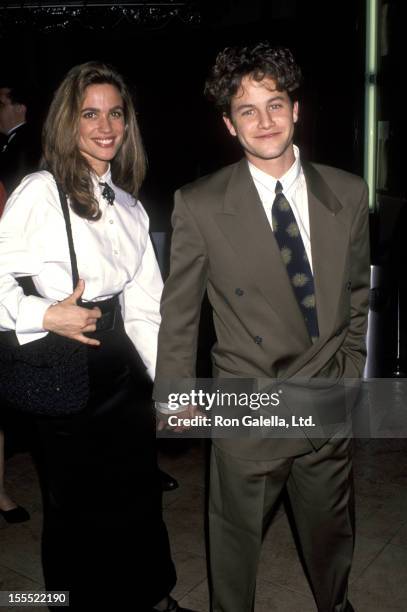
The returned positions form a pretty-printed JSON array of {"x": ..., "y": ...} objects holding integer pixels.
[{"x": 49, "y": 376}]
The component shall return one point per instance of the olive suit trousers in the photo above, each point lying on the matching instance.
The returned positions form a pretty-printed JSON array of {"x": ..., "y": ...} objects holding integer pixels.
[{"x": 243, "y": 494}]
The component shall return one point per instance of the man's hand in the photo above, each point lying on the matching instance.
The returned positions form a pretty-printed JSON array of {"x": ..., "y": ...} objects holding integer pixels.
[
  {"x": 68, "y": 319},
  {"x": 189, "y": 412}
]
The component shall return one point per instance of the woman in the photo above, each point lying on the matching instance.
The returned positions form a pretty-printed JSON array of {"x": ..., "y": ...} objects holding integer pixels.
[{"x": 103, "y": 539}]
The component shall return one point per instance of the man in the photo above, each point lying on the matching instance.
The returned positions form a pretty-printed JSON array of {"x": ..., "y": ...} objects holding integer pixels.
[
  {"x": 282, "y": 248},
  {"x": 19, "y": 148},
  {"x": 19, "y": 155}
]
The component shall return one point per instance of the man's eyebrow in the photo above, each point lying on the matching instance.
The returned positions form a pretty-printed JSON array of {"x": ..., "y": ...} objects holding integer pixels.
[{"x": 272, "y": 99}]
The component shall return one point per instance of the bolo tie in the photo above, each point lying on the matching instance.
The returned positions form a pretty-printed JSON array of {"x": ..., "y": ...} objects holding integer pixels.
[{"x": 107, "y": 193}]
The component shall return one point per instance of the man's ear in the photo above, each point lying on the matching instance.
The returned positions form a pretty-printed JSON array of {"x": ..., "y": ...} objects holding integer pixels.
[
  {"x": 229, "y": 124},
  {"x": 295, "y": 111},
  {"x": 21, "y": 109}
]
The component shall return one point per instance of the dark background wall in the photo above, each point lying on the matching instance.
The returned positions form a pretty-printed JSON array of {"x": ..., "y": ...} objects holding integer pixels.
[
  {"x": 166, "y": 53},
  {"x": 168, "y": 63}
]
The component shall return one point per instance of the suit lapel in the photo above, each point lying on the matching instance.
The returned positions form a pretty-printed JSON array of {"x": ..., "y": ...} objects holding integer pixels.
[
  {"x": 329, "y": 242},
  {"x": 245, "y": 226}
]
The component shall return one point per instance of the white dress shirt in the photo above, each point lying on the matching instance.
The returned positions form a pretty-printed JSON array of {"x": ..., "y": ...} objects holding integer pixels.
[
  {"x": 115, "y": 256},
  {"x": 294, "y": 189},
  {"x": 15, "y": 127}
]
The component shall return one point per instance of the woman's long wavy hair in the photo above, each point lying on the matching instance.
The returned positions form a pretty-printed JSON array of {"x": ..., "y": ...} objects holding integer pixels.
[{"x": 61, "y": 154}]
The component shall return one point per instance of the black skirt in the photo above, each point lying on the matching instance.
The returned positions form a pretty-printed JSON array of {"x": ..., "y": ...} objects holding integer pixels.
[{"x": 104, "y": 539}]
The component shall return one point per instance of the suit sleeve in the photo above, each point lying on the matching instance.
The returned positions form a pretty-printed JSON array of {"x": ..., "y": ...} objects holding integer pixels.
[
  {"x": 353, "y": 350},
  {"x": 181, "y": 302}
]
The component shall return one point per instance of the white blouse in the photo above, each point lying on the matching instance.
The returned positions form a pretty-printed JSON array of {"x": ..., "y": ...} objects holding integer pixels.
[{"x": 115, "y": 256}]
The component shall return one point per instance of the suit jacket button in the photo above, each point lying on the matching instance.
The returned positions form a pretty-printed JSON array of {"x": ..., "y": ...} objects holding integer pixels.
[
  {"x": 349, "y": 286},
  {"x": 258, "y": 339},
  {"x": 239, "y": 291}
]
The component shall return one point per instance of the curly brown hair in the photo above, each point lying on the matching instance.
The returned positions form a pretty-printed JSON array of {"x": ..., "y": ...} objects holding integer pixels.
[
  {"x": 61, "y": 153},
  {"x": 260, "y": 61}
]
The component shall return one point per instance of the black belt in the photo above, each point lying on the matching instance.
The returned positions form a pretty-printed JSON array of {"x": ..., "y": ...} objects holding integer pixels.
[{"x": 109, "y": 309}]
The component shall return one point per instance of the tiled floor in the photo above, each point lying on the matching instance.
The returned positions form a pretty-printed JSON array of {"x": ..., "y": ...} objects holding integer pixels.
[{"x": 379, "y": 575}]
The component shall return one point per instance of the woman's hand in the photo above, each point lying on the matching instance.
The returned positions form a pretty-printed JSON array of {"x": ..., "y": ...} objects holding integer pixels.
[{"x": 68, "y": 319}]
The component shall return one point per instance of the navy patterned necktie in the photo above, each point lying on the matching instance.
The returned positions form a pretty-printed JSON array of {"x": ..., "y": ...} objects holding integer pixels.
[
  {"x": 293, "y": 253},
  {"x": 107, "y": 193}
]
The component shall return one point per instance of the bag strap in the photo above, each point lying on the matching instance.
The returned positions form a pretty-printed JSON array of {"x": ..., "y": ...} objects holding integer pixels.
[
  {"x": 72, "y": 254},
  {"x": 26, "y": 282}
]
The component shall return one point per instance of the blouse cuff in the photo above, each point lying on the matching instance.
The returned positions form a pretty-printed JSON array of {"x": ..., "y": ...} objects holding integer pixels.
[
  {"x": 163, "y": 408},
  {"x": 29, "y": 324}
]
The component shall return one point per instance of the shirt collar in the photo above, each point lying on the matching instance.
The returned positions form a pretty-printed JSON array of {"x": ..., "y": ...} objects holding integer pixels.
[
  {"x": 14, "y": 128},
  {"x": 105, "y": 178},
  {"x": 287, "y": 180}
]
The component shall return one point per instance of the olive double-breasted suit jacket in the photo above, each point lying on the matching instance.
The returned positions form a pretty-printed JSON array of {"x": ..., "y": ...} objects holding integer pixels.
[{"x": 222, "y": 242}]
